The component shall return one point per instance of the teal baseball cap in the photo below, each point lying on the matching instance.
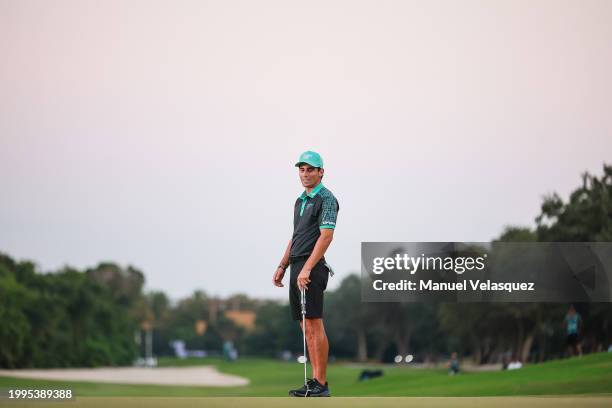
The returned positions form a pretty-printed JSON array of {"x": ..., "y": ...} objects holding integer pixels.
[{"x": 310, "y": 157}]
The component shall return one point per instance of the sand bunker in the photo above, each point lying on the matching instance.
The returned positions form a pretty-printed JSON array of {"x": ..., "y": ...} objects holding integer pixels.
[{"x": 195, "y": 376}]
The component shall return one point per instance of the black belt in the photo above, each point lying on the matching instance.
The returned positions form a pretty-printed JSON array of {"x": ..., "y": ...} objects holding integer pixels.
[{"x": 294, "y": 259}]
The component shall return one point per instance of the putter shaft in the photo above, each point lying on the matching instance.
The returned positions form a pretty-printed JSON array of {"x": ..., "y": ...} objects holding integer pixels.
[{"x": 303, "y": 306}]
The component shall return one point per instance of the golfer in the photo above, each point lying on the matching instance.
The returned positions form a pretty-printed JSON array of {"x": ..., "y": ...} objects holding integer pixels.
[{"x": 314, "y": 220}]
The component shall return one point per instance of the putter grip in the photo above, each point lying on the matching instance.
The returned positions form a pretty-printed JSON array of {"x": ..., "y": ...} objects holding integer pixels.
[{"x": 303, "y": 301}]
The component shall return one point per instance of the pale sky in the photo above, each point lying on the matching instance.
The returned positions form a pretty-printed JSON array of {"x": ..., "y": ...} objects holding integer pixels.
[{"x": 163, "y": 134}]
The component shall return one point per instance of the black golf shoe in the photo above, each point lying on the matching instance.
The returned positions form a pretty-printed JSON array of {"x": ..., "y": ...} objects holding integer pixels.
[
  {"x": 299, "y": 392},
  {"x": 313, "y": 388}
]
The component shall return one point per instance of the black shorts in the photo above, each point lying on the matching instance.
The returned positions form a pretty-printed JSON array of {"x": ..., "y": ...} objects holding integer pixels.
[
  {"x": 314, "y": 293},
  {"x": 572, "y": 339}
]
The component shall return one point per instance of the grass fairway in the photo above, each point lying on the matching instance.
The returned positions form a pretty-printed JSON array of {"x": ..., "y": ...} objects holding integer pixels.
[{"x": 587, "y": 376}]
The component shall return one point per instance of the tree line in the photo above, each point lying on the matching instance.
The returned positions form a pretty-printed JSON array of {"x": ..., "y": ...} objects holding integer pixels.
[{"x": 95, "y": 317}]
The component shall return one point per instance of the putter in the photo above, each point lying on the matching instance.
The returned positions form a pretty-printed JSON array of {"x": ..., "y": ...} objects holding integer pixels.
[{"x": 303, "y": 304}]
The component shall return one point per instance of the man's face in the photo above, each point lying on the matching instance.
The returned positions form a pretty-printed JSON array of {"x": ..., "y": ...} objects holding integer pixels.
[{"x": 310, "y": 176}]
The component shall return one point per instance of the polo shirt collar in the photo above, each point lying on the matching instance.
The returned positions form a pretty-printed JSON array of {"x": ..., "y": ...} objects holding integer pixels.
[{"x": 314, "y": 191}]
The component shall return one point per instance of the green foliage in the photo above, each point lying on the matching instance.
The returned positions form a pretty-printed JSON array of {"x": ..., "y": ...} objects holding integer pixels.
[
  {"x": 61, "y": 319},
  {"x": 587, "y": 216},
  {"x": 517, "y": 234},
  {"x": 521, "y": 328},
  {"x": 275, "y": 331},
  {"x": 15, "y": 327}
]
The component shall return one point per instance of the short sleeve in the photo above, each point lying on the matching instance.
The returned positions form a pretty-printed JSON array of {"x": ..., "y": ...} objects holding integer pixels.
[{"x": 329, "y": 212}]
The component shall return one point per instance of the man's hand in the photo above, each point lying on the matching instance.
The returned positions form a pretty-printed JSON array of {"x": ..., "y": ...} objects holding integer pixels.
[
  {"x": 277, "y": 280},
  {"x": 303, "y": 279}
]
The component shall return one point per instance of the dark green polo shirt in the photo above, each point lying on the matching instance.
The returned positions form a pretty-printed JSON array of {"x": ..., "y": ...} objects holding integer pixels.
[{"x": 313, "y": 211}]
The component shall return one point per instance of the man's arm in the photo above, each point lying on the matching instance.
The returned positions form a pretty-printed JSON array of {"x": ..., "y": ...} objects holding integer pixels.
[
  {"x": 277, "y": 279},
  {"x": 326, "y": 237},
  {"x": 285, "y": 261}
]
